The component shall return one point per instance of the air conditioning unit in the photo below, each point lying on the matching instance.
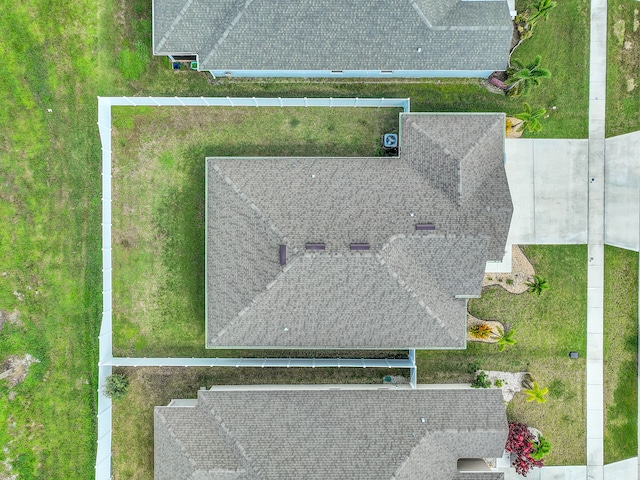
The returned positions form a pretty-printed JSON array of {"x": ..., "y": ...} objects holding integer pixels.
[
  {"x": 390, "y": 144},
  {"x": 390, "y": 140}
]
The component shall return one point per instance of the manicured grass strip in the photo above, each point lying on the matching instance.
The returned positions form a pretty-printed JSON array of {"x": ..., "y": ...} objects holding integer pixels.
[
  {"x": 150, "y": 387},
  {"x": 563, "y": 43},
  {"x": 620, "y": 354},
  {"x": 623, "y": 67},
  {"x": 547, "y": 328},
  {"x": 158, "y": 206}
]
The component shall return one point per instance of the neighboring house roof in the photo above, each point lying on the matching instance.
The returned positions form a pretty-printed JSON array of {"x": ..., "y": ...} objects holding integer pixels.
[
  {"x": 336, "y": 34},
  {"x": 262, "y": 434},
  {"x": 401, "y": 293}
]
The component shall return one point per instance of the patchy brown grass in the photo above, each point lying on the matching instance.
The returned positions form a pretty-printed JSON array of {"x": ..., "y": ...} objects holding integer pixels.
[
  {"x": 150, "y": 387},
  {"x": 158, "y": 203},
  {"x": 623, "y": 67}
]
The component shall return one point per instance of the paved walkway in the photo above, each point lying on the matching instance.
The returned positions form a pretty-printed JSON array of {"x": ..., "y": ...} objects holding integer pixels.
[{"x": 595, "y": 265}]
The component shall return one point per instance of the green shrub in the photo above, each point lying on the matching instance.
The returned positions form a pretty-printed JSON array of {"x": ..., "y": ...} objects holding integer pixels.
[
  {"x": 481, "y": 381},
  {"x": 498, "y": 383},
  {"x": 116, "y": 386}
]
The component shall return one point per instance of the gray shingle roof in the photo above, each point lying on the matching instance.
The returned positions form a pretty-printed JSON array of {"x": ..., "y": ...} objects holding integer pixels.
[
  {"x": 328, "y": 434},
  {"x": 336, "y": 34},
  {"x": 399, "y": 294}
]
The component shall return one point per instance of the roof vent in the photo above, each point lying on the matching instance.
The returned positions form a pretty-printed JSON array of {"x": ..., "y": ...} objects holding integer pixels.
[
  {"x": 283, "y": 254},
  {"x": 425, "y": 226},
  {"x": 315, "y": 246},
  {"x": 359, "y": 246},
  {"x": 422, "y": 419}
]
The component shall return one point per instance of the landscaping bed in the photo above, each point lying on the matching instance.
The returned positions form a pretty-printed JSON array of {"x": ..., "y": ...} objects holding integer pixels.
[{"x": 547, "y": 327}]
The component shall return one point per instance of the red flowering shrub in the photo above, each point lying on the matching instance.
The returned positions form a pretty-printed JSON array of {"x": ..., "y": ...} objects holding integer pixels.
[{"x": 520, "y": 442}]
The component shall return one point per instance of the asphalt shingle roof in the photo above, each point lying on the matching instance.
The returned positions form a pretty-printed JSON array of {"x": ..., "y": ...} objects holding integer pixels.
[
  {"x": 336, "y": 34},
  {"x": 328, "y": 434},
  {"x": 401, "y": 293}
]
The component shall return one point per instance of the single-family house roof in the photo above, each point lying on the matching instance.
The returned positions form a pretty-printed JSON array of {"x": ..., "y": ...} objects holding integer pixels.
[
  {"x": 381, "y": 35},
  {"x": 265, "y": 434},
  {"x": 281, "y": 267}
]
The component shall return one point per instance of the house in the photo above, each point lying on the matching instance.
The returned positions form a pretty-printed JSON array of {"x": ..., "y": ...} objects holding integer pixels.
[
  {"x": 357, "y": 253},
  {"x": 336, "y": 38},
  {"x": 302, "y": 432}
]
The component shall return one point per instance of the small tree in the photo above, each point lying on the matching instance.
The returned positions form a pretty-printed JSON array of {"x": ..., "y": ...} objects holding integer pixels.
[
  {"x": 543, "y": 7},
  {"x": 536, "y": 393},
  {"x": 537, "y": 285},
  {"x": 520, "y": 442},
  {"x": 116, "y": 386},
  {"x": 505, "y": 339},
  {"x": 530, "y": 118},
  {"x": 522, "y": 77}
]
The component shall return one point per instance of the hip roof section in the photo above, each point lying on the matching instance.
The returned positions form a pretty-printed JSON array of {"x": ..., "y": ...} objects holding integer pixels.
[
  {"x": 406, "y": 289},
  {"x": 336, "y": 34},
  {"x": 328, "y": 434}
]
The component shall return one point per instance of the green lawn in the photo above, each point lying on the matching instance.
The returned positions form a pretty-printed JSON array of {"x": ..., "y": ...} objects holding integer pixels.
[
  {"x": 158, "y": 205},
  {"x": 49, "y": 236},
  {"x": 563, "y": 43},
  {"x": 623, "y": 67},
  {"x": 620, "y": 354},
  {"x": 60, "y": 56},
  {"x": 547, "y": 328}
]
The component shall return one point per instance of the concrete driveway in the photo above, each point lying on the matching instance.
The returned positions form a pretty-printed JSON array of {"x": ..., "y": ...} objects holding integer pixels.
[{"x": 549, "y": 180}]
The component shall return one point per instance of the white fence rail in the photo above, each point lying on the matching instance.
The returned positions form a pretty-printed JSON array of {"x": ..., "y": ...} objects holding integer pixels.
[{"x": 107, "y": 361}]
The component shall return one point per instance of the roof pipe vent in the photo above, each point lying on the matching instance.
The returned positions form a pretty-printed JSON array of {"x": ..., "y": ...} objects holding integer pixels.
[{"x": 425, "y": 226}]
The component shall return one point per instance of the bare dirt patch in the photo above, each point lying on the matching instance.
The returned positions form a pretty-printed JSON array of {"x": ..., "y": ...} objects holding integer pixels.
[
  {"x": 14, "y": 369},
  {"x": 12, "y": 318}
]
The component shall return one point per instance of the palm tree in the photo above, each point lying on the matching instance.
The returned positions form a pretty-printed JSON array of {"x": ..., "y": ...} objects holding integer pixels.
[
  {"x": 505, "y": 339},
  {"x": 530, "y": 119},
  {"x": 543, "y": 8},
  {"x": 536, "y": 393},
  {"x": 537, "y": 285},
  {"x": 522, "y": 77}
]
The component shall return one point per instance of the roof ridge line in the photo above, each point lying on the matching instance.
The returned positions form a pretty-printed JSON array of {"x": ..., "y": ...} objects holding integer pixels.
[
  {"x": 233, "y": 442},
  {"x": 256, "y": 299},
  {"x": 275, "y": 230},
  {"x": 241, "y": 10},
  {"x": 178, "y": 442},
  {"x": 421, "y": 14},
  {"x": 405, "y": 285},
  {"x": 435, "y": 141},
  {"x": 484, "y": 136},
  {"x": 174, "y": 24}
]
